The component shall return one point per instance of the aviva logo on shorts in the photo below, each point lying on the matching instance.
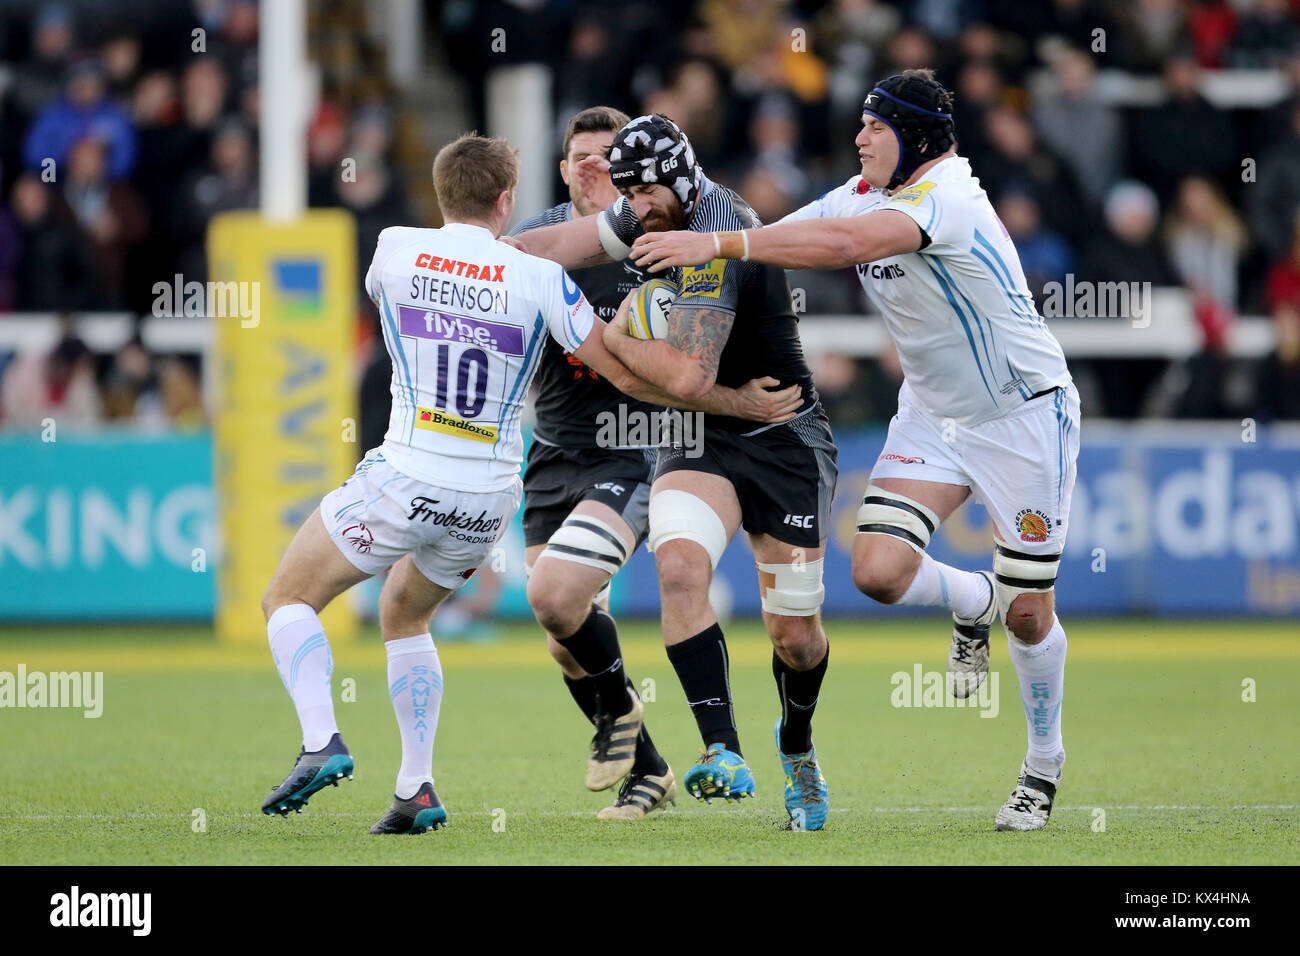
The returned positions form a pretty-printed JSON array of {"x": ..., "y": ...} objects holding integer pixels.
[
  {"x": 430, "y": 419},
  {"x": 704, "y": 280}
]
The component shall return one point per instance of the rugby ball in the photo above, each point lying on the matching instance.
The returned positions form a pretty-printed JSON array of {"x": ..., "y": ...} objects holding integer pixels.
[{"x": 647, "y": 318}]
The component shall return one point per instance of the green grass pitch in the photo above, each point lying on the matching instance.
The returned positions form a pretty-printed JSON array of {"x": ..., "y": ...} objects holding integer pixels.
[{"x": 1159, "y": 737}]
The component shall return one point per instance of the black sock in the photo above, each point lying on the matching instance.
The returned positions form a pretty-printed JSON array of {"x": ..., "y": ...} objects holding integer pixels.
[
  {"x": 701, "y": 665},
  {"x": 647, "y": 757},
  {"x": 798, "y": 691},
  {"x": 584, "y": 694},
  {"x": 594, "y": 646}
]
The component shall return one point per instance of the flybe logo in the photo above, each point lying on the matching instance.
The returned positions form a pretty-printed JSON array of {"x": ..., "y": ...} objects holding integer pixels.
[{"x": 428, "y": 324}]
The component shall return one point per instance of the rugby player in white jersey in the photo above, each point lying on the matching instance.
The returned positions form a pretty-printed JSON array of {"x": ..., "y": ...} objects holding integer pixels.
[
  {"x": 987, "y": 405},
  {"x": 465, "y": 319}
]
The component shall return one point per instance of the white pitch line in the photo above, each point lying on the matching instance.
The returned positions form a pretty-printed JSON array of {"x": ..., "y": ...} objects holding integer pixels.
[{"x": 683, "y": 812}]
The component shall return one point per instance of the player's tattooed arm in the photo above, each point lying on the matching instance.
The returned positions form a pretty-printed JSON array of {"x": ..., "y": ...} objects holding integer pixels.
[
  {"x": 701, "y": 335},
  {"x": 684, "y": 364}
]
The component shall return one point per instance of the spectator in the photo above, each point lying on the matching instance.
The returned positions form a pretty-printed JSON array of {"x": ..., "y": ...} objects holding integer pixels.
[
  {"x": 38, "y": 82},
  {"x": 59, "y": 385},
  {"x": 181, "y": 396},
  {"x": 108, "y": 216},
  {"x": 121, "y": 58},
  {"x": 375, "y": 198},
  {"x": 1151, "y": 31},
  {"x": 85, "y": 110},
  {"x": 131, "y": 387},
  {"x": 1273, "y": 200},
  {"x": 1017, "y": 158},
  {"x": 1083, "y": 131},
  {"x": 1205, "y": 240},
  {"x": 979, "y": 91},
  {"x": 1278, "y": 378},
  {"x": 1266, "y": 34},
  {"x": 1130, "y": 250},
  {"x": 1185, "y": 135},
  {"x": 1044, "y": 255},
  {"x": 850, "y": 36},
  {"x": 54, "y": 270},
  {"x": 228, "y": 182}
]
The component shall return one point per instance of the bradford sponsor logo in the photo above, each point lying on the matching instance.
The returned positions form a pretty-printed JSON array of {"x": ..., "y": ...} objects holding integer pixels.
[
  {"x": 428, "y": 324},
  {"x": 903, "y": 459},
  {"x": 484, "y": 273},
  {"x": 1033, "y": 525},
  {"x": 432, "y": 420},
  {"x": 703, "y": 280},
  {"x": 422, "y": 510}
]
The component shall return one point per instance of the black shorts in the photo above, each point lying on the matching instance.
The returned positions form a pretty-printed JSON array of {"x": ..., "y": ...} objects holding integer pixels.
[
  {"x": 784, "y": 475},
  {"x": 557, "y": 479}
]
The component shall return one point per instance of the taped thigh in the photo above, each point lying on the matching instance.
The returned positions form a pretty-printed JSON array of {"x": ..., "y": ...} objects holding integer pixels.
[
  {"x": 792, "y": 590},
  {"x": 888, "y": 512},
  {"x": 1016, "y": 573},
  {"x": 680, "y": 514}
]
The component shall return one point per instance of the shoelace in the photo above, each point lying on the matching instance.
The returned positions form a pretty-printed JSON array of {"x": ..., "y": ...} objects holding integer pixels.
[
  {"x": 601, "y": 741},
  {"x": 963, "y": 647},
  {"x": 804, "y": 777},
  {"x": 625, "y": 791},
  {"x": 1023, "y": 799}
]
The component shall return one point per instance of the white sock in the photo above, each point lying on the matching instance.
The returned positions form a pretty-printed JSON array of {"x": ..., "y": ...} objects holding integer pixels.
[
  {"x": 302, "y": 656},
  {"x": 1041, "y": 669},
  {"x": 965, "y": 593},
  {"x": 415, "y": 688}
]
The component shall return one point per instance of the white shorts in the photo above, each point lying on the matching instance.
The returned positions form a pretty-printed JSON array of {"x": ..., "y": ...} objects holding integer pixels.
[
  {"x": 1021, "y": 467},
  {"x": 379, "y": 515}
]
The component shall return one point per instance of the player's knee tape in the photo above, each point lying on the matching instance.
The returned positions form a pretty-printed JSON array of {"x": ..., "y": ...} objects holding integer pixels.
[
  {"x": 1016, "y": 573},
  {"x": 888, "y": 512},
  {"x": 793, "y": 590},
  {"x": 680, "y": 514},
  {"x": 587, "y": 540}
]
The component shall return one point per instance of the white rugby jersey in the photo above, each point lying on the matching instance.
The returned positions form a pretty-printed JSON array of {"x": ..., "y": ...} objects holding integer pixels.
[
  {"x": 970, "y": 340},
  {"x": 465, "y": 318}
]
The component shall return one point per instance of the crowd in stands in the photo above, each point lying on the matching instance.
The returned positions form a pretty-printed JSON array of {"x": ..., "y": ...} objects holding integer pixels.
[{"x": 150, "y": 139}]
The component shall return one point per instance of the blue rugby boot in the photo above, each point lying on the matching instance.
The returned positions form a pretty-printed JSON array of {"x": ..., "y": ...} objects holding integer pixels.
[
  {"x": 312, "y": 771},
  {"x": 420, "y": 814},
  {"x": 806, "y": 798},
  {"x": 720, "y": 773}
]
